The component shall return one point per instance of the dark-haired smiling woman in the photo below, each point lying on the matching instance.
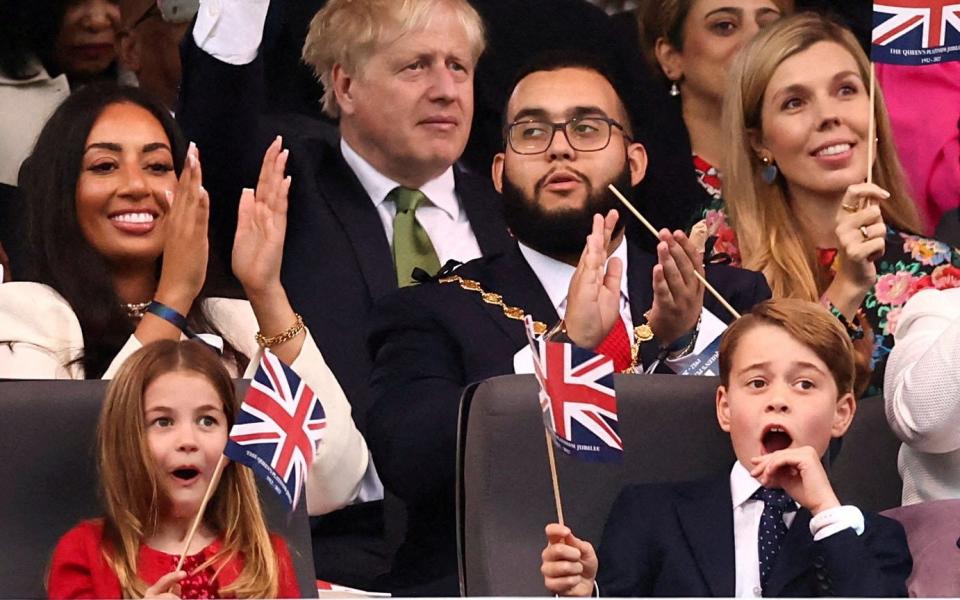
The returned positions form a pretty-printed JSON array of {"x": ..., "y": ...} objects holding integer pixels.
[{"x": 120, "y": 257}]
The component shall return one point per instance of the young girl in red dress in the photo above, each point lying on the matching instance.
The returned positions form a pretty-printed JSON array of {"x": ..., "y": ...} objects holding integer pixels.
[{"x": 163, "y": 427}]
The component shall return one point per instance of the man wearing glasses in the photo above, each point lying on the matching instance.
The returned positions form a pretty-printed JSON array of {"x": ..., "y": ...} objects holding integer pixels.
[{"x": 567, "y": 137}]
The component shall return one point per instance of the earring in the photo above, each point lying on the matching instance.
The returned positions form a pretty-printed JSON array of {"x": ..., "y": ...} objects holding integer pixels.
[
  {"x": 769, "y": 171},
  {"x": 674, "y": 89}
]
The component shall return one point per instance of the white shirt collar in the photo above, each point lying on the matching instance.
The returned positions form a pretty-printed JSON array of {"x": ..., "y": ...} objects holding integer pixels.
[
  {"x": 555, "y": 275},
  {"x": 440, "y": 190},
  {"x": 742, "y": 484}
]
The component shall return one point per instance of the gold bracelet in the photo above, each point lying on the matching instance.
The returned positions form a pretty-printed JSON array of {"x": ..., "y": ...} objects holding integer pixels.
[{"x": 289, "y": 334}]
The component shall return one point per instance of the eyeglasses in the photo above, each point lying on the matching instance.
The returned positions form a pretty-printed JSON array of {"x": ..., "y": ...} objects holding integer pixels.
[
  {"x": 584, "y": 134},
  {"x": 170, "y": 11}
]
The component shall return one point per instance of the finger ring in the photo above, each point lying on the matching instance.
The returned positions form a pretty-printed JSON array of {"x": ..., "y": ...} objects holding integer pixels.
[
  {"x": 863, "y": 232},
  {"x": 850, "y": 208}
]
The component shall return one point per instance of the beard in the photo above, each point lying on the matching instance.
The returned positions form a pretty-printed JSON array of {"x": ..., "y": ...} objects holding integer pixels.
[{"x": 560, "y": 233}]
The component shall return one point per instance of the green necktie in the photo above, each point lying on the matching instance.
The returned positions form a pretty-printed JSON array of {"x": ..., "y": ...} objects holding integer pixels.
[{"x": 411, "y": 244}]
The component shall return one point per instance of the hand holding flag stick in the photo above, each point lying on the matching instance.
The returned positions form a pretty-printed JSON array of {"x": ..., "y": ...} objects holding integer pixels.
[{"x": 653, "y": 230}]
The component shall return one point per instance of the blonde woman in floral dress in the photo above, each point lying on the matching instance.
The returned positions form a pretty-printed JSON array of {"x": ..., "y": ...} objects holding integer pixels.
[{"x": 797, "y": 209}]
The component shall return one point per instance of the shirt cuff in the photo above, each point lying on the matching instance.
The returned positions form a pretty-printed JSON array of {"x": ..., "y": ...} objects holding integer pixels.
[
  {"x": 231, "y": 30},
  {"x": 834, "y": 520}
]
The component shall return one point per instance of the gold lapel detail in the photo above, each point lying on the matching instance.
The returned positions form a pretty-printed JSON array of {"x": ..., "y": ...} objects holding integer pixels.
[{"x": 511, "y": 312}]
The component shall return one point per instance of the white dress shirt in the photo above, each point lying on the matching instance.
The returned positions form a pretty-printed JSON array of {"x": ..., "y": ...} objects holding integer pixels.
[
  {"x": 555, "y": 275},
  {"x": 443, "y": 218},
  {"x": 746, "y": 526},
  {"x": 922, "y": 393},
  {"x": 231, "y": 30}
]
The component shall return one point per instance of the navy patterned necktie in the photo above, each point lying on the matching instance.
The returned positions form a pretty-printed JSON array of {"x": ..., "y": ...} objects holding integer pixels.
[{"x": 772, "y": 529}]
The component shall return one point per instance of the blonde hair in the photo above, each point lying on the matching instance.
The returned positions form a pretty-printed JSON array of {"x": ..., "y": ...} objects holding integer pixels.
[
  {"x": 767, "y": 233},
  {"x": 130, "y": 485},
  {"x": 348, "y": 32},
  {"x": 807, "y": 322}
]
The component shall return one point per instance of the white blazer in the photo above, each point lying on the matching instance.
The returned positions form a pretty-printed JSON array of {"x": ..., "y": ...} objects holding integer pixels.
[{"x": 44, "y": 335}]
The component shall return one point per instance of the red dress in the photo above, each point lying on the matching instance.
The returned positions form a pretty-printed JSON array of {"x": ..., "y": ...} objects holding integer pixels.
[{"x": 79, "y": 570}]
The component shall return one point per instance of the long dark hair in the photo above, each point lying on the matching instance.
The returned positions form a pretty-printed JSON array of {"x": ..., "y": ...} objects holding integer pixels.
[{"x": 61, "y": 256}]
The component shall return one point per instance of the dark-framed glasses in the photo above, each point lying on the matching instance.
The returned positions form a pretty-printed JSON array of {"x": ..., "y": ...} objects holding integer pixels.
[{"x": 584, "y": 134}]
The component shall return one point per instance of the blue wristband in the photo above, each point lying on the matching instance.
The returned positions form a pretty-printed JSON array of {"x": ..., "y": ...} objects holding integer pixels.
[{"x": 170, "y": 316}]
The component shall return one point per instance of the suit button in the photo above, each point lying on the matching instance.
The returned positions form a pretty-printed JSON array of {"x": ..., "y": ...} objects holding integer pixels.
[{"x": 818, "y": 560}]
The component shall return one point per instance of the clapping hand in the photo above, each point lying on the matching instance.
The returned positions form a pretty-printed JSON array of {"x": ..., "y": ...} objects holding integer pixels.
[
  {"x": 261, "y": 226},
  {"x": 677, "y": 292},
  {"x": 187, "y": 213},
  {"x": 593, "y": 298}
]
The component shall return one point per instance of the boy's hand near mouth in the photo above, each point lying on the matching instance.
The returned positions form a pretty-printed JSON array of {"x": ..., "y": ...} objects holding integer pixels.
[{"x": 800, "y": 473}]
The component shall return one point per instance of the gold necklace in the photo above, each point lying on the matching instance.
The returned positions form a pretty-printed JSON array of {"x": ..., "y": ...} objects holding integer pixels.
[{"x": 511, "y": 312}]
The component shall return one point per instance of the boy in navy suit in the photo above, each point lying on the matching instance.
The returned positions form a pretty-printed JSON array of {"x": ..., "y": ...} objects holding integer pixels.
[{"x": 773, "y": 526}]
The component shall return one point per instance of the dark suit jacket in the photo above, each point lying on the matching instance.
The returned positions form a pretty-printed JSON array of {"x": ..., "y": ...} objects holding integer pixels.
[
  {"x": 337, "y": 260},
  {"x": 677, "y": 540},
  {"x": 432, "y": 340}
]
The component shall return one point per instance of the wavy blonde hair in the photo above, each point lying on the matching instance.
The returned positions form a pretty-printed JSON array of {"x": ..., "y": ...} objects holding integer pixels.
[
  {"x": 348, "y": 32},
  {"x": 767, "y": 231},
  {"x": 130, "y": 482}
]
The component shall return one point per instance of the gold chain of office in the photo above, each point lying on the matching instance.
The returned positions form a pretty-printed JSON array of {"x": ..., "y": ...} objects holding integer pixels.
[{"x": 511, "y": 312}]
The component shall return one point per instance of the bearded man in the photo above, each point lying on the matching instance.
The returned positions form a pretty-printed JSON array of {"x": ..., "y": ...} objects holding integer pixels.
[{"x": 567, "y": 136}]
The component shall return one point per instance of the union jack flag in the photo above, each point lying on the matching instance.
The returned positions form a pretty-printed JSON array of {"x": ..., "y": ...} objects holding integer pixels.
[
  {"x": 578, "y": 400},
  {"x": 916, "y": 32},
  {"x": 278, "y": 428}
]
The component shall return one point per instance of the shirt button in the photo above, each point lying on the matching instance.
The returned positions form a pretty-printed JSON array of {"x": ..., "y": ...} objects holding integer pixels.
[{"x": 757, "y": 592}]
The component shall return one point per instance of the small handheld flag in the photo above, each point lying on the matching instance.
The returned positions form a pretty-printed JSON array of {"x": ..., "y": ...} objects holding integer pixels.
[
  {"x": 915, "y": 32},
  {"x": 278, "y": 428},
  {"x": 578, "y": 400}
]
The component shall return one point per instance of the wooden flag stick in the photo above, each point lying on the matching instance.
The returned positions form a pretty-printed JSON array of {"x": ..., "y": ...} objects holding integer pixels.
[
  {"x": 703, "y": 280},
  {"x": 872, "y": 126},
  {"x": 212, "y": 485},
  {"x": 553, "y": 475}
]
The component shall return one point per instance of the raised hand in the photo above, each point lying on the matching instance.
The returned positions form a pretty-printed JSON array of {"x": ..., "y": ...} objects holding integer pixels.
[
  {"x": 593, "y": 298},
  {"x": 677, "y": 293},
  {"x": 262, "y": 225},
  {"x": 861, "y": 234},
  {"x": 800, "y": 473},
  {"x": 569, "y": 564},
  {"x": 185, "y": 247},
  {"x": 167, "y": 586}
]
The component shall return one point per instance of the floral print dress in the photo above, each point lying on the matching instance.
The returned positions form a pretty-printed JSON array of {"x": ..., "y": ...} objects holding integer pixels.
[{"x": 909, "y": 264}]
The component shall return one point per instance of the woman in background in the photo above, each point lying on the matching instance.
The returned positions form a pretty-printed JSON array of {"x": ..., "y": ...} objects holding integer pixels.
[{"x": 692, "y": 43}]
